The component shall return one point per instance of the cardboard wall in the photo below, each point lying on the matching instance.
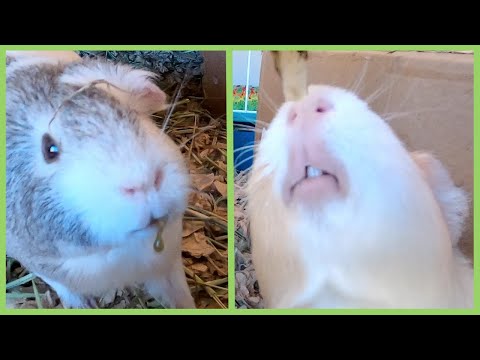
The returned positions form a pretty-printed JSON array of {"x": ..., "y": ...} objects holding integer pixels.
[
  {"x": 433, "y": 90},
  {"x": 214, "y": 82}
]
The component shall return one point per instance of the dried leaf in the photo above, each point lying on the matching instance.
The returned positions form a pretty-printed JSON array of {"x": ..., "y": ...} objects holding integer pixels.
[
  {"x": 217, "y": 268},
  {"x": 202, "y": 181},
  {"x": 201, "y": 200},
  {"x": 222, "y": 212},
  {"x": 220, "y": 178},
  {"x": 222, "y": 165},
  {"x": 211, "y": 305},
  {"x": 194, "y": 169},
  {"x": 199, "y": 267},
  {"x": 205, "y": 153},
  {"x": 192, "y": 226},
  {"x": 187, "y": 261},
  {"x": 196, "y": 245},
  {"x": 221, "y": 188}
]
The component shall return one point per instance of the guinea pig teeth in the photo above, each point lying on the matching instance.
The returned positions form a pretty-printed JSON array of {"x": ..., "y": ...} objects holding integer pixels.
[{"x": 313, "y": 172}]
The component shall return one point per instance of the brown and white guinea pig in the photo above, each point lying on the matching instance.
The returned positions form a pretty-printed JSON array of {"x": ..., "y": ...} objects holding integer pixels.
[
  {"x": 89, "y": 176},
  {"x": 343, "y": 216}
]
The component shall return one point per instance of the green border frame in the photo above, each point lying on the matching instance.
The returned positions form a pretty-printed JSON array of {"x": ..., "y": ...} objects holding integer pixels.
[{"x": 231, "y": 286}]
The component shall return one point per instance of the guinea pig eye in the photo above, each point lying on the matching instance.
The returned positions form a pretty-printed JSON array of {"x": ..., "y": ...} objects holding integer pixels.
[{"x": 50, "y": 149}]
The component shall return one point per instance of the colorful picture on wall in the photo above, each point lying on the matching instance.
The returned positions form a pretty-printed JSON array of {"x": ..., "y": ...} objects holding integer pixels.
[{"x": 239, "y": 96}]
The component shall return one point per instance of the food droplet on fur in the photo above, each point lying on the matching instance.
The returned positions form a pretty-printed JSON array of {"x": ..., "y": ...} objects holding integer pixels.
[{"x": 158, "y": 245}]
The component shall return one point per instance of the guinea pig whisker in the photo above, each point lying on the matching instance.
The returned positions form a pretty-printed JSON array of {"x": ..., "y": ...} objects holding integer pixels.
[
  {"x": 261, "y": 122},
  {"x": 269, "y": 102},
  {"x": 356, "y": 85},
  {"x": 393, "y": 115},
  {"x": 246, "y": 147},
  {"x": 375, "y": 95},
  {"x": 244, "y": 160},
  {"x": 387, "y": 86},
  {"x": 249, "y": 129}
]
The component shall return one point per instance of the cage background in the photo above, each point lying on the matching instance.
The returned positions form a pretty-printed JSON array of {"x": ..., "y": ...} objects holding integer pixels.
[{"x": 246, "y": 80}]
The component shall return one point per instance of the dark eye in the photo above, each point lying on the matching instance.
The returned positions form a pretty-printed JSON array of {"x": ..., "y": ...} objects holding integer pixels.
[{"x": 50, "y": 149}]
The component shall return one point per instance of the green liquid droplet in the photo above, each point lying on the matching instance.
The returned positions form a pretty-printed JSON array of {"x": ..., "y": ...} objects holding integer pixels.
[{"x": 158, "y": 245}]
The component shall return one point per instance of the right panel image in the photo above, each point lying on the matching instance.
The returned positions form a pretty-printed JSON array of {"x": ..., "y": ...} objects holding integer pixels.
[{"x": 353, "y": 179}]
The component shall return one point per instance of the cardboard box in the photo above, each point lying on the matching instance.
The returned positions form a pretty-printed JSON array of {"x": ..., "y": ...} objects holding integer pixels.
[
  {"x": 214, "y": 82},
  {"x": 434, "y": 90}
]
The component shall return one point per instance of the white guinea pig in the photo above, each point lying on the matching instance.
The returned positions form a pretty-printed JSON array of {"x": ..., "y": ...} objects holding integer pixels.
[
  {"x": 91, "y": 179},
  {"x": 343, "y": 216}
]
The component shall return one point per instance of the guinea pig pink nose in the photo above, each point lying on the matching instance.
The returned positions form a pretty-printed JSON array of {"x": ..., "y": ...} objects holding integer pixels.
[
  {"x": 292, "y": 115},
  {"x": 157, "y": 181},
  {"x": 308, "y": 108},
  {"x": 323, "y": 106}
]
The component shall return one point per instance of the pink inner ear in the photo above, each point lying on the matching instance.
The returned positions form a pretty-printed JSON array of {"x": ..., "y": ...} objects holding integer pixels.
[{"x": 152, "y": 97}]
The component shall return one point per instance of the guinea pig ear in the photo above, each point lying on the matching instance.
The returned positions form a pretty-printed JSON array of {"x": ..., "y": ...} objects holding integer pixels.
[
  {"x": 453, "y": 200},
  {"x": 147, "y": 96},
  {"x": 150, "y": 98},
  {"x": 135, "y": 87}
]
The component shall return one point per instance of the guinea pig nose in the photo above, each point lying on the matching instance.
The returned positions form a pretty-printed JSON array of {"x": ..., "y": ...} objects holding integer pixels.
[
  {"x": 322, "y": 106},
  {"x": 292, "y": 115},
  {"x": 131, "y": 190},
  {"x": 145, "y": 187},
  {"x": 158, "y": 179}
]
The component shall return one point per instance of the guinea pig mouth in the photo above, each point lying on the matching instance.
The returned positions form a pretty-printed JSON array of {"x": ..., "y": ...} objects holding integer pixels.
[
  {"x": 314, "y": 180},
  {"x": 158, "y": 223},
  {"x": 312, "y": 172}
]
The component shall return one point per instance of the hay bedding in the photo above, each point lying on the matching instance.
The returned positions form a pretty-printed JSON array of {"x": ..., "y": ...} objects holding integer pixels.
[
  {"x": 203, "y": 141},
  {"x": 247, "y": 294}
]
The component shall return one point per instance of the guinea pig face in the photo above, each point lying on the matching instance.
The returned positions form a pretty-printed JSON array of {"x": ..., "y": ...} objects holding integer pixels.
[
  {"x": 330, "y": 147},
  {"x": 113, "y": 167}
]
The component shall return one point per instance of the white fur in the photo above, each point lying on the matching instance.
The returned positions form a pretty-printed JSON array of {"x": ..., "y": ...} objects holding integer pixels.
[
  {"x": 454, "y": 200},
  {"x": 99, "y": 176},
  {"x": 386, "y": 245},
  {"x": 122, "y": 76},
  {"x": 135, "y": 86},
  {"x": 98, "y": 270},
  {"x": 29, "y": 58},
  {"x": 69, "y": 298}
]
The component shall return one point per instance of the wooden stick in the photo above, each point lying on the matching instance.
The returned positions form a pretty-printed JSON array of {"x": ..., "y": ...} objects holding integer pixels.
[{"x": 291, "y": 66}]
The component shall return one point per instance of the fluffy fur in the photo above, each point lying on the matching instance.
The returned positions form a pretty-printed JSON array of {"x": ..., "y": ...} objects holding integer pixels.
[
  {"x": 70, "y": 222},
  {"x": 389, "y": 242}
]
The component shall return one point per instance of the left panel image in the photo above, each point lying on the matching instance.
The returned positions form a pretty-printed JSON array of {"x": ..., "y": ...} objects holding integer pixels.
[{"x": 116, "y": 180}]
